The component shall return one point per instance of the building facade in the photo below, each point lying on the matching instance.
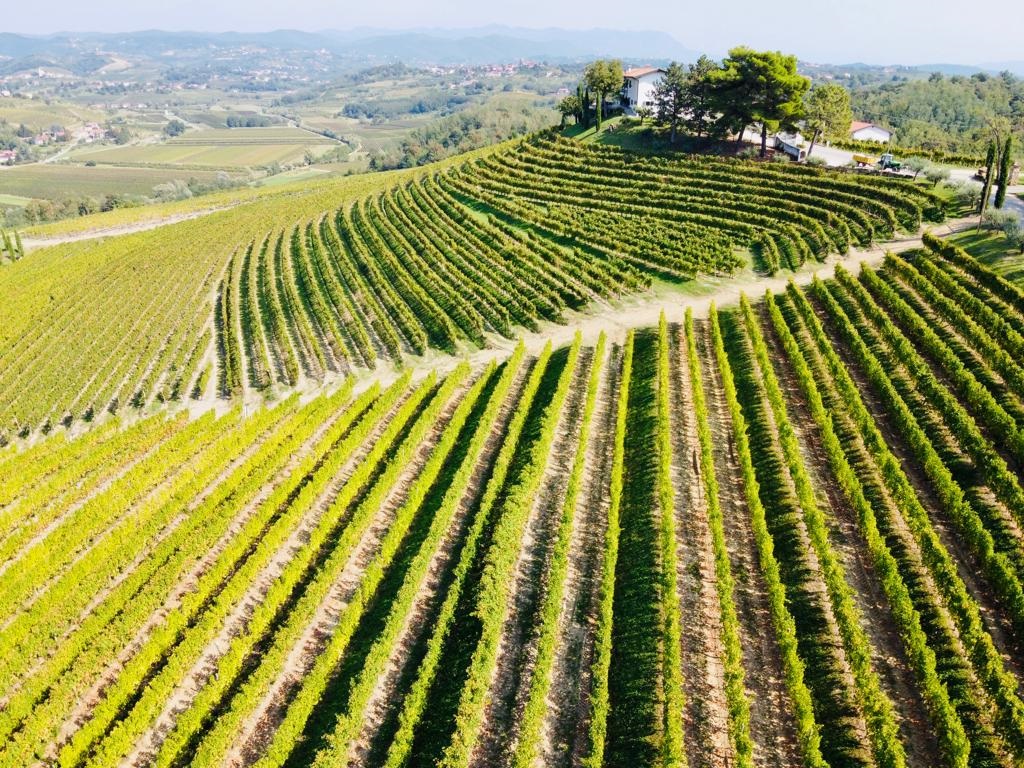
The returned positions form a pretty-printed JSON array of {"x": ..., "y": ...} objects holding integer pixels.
[{"x": 638, "y": 89}]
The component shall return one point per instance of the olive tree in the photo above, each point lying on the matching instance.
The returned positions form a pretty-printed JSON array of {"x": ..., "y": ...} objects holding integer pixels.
[{"x": 827, "y": 112}]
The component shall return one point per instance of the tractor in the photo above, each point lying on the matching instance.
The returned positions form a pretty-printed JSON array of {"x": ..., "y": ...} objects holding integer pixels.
[{"x": 887, "y": 163}]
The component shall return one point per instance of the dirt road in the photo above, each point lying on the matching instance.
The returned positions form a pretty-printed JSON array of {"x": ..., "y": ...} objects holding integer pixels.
[{"x": 31, "y": 243}]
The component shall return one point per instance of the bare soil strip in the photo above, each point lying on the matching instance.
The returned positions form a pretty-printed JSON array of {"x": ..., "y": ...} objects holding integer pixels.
[
  {"x": 814, "y": 584},
  {"x": 258, "y": 728},
  {"x": 385, "y": 699},
  {"x": 121, "y": 229},
  {"x": 996, "y": 622},
  {"x": 186, "y": 585},
  {"x": 118, "y": 472},
  {"x": 517, "y": 648},
  {"x": 707, "y": 726},
  {"x": 888, "y": 655},
  {"x": 206, "y": 663},
  {"x": 569, "y": 677},
  {"x": 921, "y": 572},
  {"x": 771, "y": 721}
]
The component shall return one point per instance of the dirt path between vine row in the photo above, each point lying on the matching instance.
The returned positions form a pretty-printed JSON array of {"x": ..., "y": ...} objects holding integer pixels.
[
  {"x": 912, "y": 564},
  {"x": 517, "y": 650},
  {"x": 707, "y": 724},
  {"x": 205, "y": 666},
  {"x": 567, "y": 710},
  {"x": 186, "y": 584},
  {"x": 643, "y": 310},
  {"x": 851, "y": 726},
  {"x": 971, "y": 570},
  {"x": 888, "y": 654},
  {"x": 257, "y": 730},
  {"x": 391, "y": 685},
  {"x": 773, "y": 729}
]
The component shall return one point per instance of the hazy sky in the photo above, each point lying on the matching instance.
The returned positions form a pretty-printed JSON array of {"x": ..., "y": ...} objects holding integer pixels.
[{"x": 838, "y": 31}]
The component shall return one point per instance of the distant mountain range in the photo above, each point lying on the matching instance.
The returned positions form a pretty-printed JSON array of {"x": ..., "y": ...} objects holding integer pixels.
[
  {"x": 421, "y": 46},
  {"x": 1016, "y": 67},
  {"x": 483, "y": 45}
]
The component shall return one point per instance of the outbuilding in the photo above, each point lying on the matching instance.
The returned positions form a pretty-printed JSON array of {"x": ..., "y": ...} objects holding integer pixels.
[
  {"x": 792, "y": 144},
  {"x": 860, "y": 131}
]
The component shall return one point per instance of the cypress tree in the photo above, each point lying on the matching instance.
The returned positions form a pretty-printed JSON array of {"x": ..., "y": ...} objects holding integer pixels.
[
  {"x": 1004, "y": 172},
  {"x": 17, "y": 244},
  {"x": 986, "y": 190}
]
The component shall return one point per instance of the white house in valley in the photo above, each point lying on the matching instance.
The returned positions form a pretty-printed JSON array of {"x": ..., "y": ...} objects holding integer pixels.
[
  {"x": 860, "y": 131},
  {"x": 638, "y": 90}
]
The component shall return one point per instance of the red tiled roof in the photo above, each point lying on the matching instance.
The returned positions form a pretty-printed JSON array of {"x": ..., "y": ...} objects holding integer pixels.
[
  {"x": 641, "y": 71},
  {"x": 857, "y": 125}
]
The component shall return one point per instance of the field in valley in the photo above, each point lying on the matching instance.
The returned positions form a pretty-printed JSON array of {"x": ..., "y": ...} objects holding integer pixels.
[
  {"x": 225, "y": 148},
  {"x": 66, "y": 180}
]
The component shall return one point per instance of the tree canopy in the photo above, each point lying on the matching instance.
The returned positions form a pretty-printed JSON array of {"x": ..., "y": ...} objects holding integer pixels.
[
  {"x": 827, "y": 112},
  {"x": 603, "y": 76},
  {"x": 762, "y": 87},
  {"x": 670, "y": 96}
]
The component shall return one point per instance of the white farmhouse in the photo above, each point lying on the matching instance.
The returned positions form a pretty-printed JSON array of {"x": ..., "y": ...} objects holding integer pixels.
[
  {"x": 860, "y": 131},
  {"x": 638, "y": 90}
]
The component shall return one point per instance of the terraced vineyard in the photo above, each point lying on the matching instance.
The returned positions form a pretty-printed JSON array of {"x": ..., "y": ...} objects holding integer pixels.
[
  {"x": 785, "y": 534},
  {"x": 231, "y": 305}
]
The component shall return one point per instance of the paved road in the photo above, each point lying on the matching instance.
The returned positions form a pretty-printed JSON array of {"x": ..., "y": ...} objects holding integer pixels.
[{"x": 1013, "y": 202}]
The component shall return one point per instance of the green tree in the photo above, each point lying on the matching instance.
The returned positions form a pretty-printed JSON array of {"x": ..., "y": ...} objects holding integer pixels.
[
  {"x": 762, "y": 87},
  {"x": 603, "y": 76},
  {"x": 643, "y": 113},
  {"x": 584, "y": 98},
  {"x": 569, "y": 107},
  {"x": 174, "y": 128},
  {"x": 990, "y": 164},
  {"x": 699, "y": 95},
  {"x": 916, "y": 164},
  {"x": 935, "y": 174},
  {"x": 670, "y": 97},
  {"x": 1005, "y": 161},
  {"x": 827, "y": 112}
]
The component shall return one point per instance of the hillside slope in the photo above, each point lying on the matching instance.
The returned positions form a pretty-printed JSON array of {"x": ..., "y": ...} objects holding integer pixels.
[{"x": 326, "y": 279}]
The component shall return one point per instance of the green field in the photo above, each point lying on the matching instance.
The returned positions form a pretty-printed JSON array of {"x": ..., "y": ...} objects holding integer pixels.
[
  {"x": 38, "y": 114},
  {"x": 14, "y": 201},
  {"x": 55, "y": 181},
  {"x": 224, "y": 148}
]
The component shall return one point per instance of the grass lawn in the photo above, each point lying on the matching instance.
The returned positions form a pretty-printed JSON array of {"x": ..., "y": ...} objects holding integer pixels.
[
  {"x": 245, "y": 136},
  {"x": 627, "y": 133},
  {"x": 215, "y": 155},
  {"x": 991, "y": 249}
]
